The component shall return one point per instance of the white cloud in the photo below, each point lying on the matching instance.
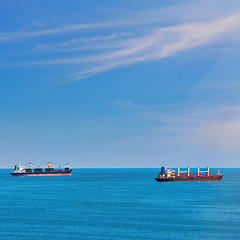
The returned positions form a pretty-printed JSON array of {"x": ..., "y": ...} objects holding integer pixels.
[
  {"x": 76, "y": 44},
  {"x": 156, "y": 44},
  {"x": 5, "y": 37},
  {"x": 220, "y": 136},
  {"x": 127, "y": 105},
  {"x": 195, "y": 25},
  {"x": 194, "y": 135},
  {"x": 189, "y": 12},
  {"x": 164, "y": 42}
]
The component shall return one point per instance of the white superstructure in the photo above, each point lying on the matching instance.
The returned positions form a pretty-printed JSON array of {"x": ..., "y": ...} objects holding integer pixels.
[{"x": 19, "y": 169}]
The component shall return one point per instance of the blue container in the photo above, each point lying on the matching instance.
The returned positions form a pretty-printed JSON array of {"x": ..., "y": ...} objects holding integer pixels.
[{"x": 162, "y": 170}]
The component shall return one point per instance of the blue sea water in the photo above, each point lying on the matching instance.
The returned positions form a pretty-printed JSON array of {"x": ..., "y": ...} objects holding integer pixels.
[{"x": 118, "y": 204}]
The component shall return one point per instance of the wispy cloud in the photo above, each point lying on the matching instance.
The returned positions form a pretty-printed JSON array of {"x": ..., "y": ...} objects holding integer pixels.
[
  {"x": 156, "y": 44},
  {"x": 4, "y": 37},
  {"x": 83, "y": 43},
  {"x": 189, "y": 115},
  {"x": 126, "y": 104},
  {"x": 126, "y": 46},
  {"x": 189, "y": 12},
  {"x": 194, "y": 132}
]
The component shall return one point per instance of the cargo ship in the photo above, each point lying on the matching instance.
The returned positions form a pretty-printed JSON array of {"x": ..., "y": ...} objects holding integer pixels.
[
  {"x": 169, "y": 175},
  {"x": 30, "y": 171}
]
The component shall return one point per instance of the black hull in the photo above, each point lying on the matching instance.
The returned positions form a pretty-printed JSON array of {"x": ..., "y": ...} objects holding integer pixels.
[{"x": 43, "y": 174}]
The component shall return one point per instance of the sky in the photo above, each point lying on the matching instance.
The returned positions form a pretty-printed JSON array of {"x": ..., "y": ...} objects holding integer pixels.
[{"x": 120, "y": 83}]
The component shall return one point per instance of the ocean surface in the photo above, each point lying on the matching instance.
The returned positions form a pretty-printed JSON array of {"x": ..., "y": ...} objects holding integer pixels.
[{"x": 114, "y": 204}]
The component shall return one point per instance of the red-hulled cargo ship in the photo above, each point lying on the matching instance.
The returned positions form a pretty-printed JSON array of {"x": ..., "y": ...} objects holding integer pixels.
[
  {"x": 168, "y": 175},
  {"x": 22, "y": 171}
]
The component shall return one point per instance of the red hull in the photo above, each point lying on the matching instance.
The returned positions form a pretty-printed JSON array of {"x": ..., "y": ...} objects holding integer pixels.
[{"x": 191, "y": 178}]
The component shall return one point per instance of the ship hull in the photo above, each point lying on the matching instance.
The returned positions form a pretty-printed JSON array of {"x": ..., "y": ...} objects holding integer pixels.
[
  {"x": 190, "y": 179},
  {"x": 43, "y": 174}
]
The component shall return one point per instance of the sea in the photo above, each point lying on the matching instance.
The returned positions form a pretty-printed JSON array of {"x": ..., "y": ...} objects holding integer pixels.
[{"x": 114, "y": 204}]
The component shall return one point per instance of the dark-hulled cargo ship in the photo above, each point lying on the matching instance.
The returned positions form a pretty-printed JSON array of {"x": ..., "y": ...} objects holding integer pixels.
[
  {"x": 168, "y": 175},
  {"x": 22, "y": 171}
]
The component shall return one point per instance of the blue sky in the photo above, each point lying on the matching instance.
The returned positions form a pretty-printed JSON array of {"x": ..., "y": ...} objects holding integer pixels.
[{"x": 120, "y": 83}]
